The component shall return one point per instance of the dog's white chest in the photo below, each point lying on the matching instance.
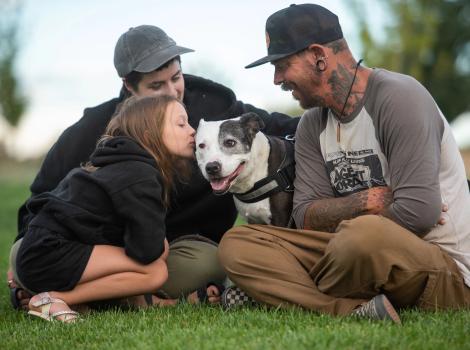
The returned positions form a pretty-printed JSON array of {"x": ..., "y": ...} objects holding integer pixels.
[{"x": 255, "y": 213}]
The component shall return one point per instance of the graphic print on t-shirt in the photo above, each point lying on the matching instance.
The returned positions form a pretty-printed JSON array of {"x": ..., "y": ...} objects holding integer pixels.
[{"x": 354, "y": 171}]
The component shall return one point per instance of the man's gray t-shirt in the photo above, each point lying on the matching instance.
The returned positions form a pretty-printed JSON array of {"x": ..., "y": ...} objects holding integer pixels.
[{"x": 396, "y": 137}]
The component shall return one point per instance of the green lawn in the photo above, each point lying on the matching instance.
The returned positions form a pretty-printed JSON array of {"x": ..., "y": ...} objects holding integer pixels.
[{"x": 186, "y": 327}]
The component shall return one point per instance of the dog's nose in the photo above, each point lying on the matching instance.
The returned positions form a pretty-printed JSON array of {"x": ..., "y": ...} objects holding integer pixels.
[{"x": 213, "y": 168}]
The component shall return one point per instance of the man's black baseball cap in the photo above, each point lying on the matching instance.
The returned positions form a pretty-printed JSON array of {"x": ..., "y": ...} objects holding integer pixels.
[{"x": 294, "y": 28}]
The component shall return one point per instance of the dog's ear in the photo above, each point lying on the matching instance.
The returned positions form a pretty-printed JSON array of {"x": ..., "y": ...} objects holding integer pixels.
[
  {"x": 201, "y": 121},
  {"x": 251, "y": 123}
]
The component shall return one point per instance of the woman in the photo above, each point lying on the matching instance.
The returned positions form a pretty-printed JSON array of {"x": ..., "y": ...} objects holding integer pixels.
[{"x": 101, "y": 233}]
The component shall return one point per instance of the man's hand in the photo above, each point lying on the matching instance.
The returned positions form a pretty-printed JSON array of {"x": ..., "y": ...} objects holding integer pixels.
[{"x": 21, "y": 295}]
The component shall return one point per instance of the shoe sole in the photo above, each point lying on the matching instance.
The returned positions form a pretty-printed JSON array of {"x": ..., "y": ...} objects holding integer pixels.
[{"x": 389, "y": 311}]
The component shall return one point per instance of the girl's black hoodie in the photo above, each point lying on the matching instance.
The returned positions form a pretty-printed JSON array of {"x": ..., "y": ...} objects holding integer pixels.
[
  {"x": 194, "y": 208},
  {"x": 118, "y": 204}
]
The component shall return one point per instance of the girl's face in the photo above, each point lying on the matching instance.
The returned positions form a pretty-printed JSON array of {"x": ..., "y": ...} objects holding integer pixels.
[{"x": 178, "y": 135}]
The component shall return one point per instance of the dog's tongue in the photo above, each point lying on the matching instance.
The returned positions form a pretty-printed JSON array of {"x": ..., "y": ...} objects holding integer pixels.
[{"x": 220, "y": 185}]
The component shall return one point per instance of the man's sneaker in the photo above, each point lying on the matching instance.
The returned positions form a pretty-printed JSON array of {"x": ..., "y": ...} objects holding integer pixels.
[
  {"x": 235, "y": 297},
  {"x": 378, "y": 308}
]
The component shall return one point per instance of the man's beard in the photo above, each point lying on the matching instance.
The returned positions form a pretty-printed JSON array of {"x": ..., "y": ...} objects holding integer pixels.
[
  {"x": 310, "y": 101},
  {"x": 306, "y": 99}
]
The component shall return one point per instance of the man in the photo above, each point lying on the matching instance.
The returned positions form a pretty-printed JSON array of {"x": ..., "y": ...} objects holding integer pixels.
[
  {"x": 375, "y": 159},
  {"x": 148, "y": 61}
]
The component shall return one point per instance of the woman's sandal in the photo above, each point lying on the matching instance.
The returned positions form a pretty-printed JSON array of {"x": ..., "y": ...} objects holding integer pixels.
[
  {"x": 45, "y": 302},
  {"x": 203, "y": 297}
]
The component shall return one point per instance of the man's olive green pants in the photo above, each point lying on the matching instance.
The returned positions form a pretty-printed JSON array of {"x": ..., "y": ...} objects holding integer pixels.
[
  {"x": 336, "y": 272},
  {"x": 192, "y": 263}
]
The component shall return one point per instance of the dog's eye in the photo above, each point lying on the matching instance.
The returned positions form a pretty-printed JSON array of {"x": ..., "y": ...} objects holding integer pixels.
[
  {"x": 202, "y": 145},
  {"x": 230, "y": 143}
]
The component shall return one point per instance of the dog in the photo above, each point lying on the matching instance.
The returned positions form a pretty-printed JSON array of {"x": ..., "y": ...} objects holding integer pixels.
[{"x": 259, "y": 170}]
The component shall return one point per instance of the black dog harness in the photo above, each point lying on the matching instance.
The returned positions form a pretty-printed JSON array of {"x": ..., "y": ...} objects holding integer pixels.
[{"x": 281, "y": 180}]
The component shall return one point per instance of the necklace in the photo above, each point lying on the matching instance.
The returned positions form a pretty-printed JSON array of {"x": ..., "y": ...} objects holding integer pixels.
[{"x": 338, "y": 132}]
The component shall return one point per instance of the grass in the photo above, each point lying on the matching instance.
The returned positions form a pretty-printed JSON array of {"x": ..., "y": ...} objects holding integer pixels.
[{"x": 187, "y": 327}]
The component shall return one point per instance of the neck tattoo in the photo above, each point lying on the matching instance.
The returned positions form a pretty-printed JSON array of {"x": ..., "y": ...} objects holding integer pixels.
[{"x": 338, "y": 133}]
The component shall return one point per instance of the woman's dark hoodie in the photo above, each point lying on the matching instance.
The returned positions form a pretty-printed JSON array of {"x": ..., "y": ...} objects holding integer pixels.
[
  {"x": 118, "y": 204},
  {"x": 194, "y": 208}
]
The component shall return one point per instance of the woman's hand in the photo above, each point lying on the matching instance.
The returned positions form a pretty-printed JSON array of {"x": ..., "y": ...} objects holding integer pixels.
[
  {"x": 166, "y": 251},
  {"x": 11, "y": 280}
]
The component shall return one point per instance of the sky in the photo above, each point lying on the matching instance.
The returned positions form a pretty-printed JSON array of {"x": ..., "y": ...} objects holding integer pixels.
[{"x": 66, "y": 59}]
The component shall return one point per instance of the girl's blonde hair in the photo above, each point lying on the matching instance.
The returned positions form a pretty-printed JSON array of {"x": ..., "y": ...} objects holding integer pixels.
[{"x": 142, "y": 119}]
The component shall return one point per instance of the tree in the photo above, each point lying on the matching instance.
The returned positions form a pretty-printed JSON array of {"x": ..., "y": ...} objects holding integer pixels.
[
  {"x": 12, "y": 101},
  {"x": 427, "y": 39}
]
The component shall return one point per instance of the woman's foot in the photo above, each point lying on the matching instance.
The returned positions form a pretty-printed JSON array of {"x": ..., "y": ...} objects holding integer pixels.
[
  {"x": 211, "y": 294},
  {"x": 148, "y": 300},
  {"x": 47, "y": 307},
  {"x": 19, "y": 298}
]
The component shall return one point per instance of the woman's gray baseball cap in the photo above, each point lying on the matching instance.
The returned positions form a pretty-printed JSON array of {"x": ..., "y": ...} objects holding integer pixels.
[
  {"x": 296, "y": 27},
  {"x": 144, "y": 49}
]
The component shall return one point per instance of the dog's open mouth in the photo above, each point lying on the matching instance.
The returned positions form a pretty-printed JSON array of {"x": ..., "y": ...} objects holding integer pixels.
[{"x": 221, "y": 185}]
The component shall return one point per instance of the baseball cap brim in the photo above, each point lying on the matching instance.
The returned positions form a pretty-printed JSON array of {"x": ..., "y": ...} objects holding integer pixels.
[
  {"x": 158, "y": 58},
  {"x": 268, "y": 58}
]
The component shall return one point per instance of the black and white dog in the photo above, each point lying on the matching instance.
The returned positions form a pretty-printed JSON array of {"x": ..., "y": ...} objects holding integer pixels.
[{"x": 234, "y": 156}]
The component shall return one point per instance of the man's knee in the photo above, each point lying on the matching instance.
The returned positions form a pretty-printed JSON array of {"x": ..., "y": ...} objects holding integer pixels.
[
  {"x": 358, "y": 240},
  {"x": 235, "y": 248},
  {"x": 229, "y": 248}
]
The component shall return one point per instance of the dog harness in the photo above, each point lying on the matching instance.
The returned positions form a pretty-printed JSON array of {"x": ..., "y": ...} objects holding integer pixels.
[{"x": 281, "y": 180}]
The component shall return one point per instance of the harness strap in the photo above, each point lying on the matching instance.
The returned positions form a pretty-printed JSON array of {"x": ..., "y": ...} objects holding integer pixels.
[{"x": 281, "y": 180}]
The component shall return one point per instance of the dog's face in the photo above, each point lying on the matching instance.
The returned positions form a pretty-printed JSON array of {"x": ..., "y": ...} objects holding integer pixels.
[{"x": 223, "y": 149}]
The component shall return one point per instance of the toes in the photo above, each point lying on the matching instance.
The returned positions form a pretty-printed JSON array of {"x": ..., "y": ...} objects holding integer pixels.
[
  {"x": 214, "y": 300},
  {"x": 24, "y": 304},
  {"x": 21, "y": 294}
]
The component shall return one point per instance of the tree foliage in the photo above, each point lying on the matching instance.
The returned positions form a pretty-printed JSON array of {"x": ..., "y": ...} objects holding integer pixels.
[
  {"x": 12, "y": 101},
  {"x": 427, "y": 39}
]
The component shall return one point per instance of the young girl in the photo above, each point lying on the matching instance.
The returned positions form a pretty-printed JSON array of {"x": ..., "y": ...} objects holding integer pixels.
[{"x": 101, "y": 233}]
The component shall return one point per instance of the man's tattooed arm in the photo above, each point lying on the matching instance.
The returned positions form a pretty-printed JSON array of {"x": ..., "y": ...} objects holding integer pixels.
[{"x": 326, "y": 214}]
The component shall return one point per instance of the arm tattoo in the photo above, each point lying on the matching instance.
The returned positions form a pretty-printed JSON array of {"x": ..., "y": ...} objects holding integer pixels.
[{"x": 326, "y": 214}]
